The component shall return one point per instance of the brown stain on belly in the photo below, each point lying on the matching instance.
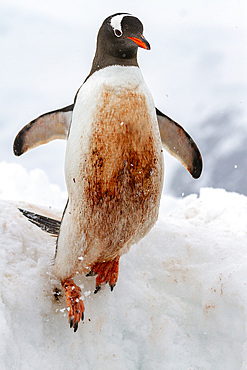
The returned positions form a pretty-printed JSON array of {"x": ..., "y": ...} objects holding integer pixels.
[{"x": 122, "y": 174}]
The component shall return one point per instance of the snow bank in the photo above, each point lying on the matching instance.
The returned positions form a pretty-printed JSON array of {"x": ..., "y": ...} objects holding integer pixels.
[{"x": 180, "y": 302}]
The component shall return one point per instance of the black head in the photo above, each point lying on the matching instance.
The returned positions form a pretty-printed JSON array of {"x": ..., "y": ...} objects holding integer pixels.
[
  {"x": 118, "y": 40},
  {"x": 121, "y": 35}
]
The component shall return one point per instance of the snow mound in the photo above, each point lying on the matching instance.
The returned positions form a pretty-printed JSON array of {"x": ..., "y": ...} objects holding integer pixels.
[
  {"x": 180, "y": 302},
  {"x": 31, "y": 186}
]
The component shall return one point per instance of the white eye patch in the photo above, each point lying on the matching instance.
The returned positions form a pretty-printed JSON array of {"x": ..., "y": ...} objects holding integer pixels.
[{"x": 116, "y": 23}]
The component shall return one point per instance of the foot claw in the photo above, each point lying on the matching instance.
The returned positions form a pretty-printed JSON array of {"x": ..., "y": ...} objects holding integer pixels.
[
  {"x": 75, "y": 326},
  {"x": 91, "y": 273},
  {"x": 112, "y": 287},
  {"x": 98, "y": 287}
]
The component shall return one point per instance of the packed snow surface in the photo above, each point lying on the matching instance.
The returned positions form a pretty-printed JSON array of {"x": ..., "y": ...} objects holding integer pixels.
[{"x": 180, "y": 302}]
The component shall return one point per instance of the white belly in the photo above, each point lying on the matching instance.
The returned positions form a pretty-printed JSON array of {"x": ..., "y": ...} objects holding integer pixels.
[{"x": 113, "y": 168}]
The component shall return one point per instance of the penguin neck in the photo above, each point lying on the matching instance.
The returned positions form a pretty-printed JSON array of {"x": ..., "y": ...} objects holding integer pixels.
[{"x": 100, "y": 62}]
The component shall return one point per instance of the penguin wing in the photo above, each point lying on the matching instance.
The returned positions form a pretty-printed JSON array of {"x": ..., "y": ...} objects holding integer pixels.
[
  {"x": 55, "y": 125},
  {"x": 179, "y": 144},
  {"x": 49, "y": 126}
]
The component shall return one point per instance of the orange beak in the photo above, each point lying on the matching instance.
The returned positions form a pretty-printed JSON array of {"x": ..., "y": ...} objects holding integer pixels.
[{"x": 142, "y": 42}]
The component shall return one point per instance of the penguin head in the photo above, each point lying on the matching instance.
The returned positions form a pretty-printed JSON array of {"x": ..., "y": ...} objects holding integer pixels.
[
  {"x": 118, "y": 40},
  {"x": 120, "y": 36}
]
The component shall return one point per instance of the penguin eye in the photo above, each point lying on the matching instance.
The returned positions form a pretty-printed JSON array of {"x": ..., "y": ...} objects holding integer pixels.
[{"x": 118, "y": 33}]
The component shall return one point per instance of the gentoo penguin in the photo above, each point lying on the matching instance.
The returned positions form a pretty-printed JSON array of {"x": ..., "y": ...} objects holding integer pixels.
[{"x": 113, "y": 162}]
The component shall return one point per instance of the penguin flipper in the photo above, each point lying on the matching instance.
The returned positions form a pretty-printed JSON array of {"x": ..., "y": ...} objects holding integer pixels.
[
  {"x": 49, "y": 126},
  {"x": 179, "y": 144}
]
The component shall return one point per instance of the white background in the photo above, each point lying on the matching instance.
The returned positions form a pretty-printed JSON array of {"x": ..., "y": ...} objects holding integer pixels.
[{"x": 196, "y": 66}]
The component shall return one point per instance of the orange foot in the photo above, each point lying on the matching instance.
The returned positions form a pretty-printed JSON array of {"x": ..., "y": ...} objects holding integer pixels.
[
  {"x": 107, "y": 273},
  {"x": 74, "y": 303}
]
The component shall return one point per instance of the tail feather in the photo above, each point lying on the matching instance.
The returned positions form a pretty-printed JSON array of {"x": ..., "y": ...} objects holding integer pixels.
[{"x": 50, "y": 225}]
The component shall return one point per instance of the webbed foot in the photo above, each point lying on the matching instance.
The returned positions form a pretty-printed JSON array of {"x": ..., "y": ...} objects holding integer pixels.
[
  {"x": 74, "y": 303},
  {"x": 107, "y": 272}
]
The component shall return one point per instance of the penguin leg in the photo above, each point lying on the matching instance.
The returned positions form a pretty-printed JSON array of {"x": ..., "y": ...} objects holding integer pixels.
[
  {"x": 74, "y": 302},
  {"x": 107, "y": 272}
]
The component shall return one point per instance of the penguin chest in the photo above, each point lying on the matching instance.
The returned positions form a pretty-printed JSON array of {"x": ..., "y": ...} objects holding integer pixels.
[
  {"x": 122, "y": 164},
  {"x": 115, "y": 182}
]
